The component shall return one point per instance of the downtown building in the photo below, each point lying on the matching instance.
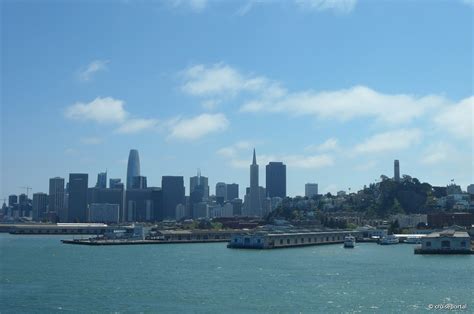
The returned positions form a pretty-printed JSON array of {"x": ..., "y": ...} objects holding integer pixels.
[
  {"x": 275, "y": 179},
  {"x": 40, "y": 206},
  {"x": 173, "y": 194},
  {"x": 255, "y": 193},
  {"x": 56, "y": 198},
  {"x": 310, "y": 190},
  {"x": 77, "y": 202},
  {"x": 133, "y": 167}
]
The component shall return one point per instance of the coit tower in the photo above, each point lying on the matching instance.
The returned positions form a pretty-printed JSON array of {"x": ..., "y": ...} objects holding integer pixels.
[{"x": 133, "y": 167}]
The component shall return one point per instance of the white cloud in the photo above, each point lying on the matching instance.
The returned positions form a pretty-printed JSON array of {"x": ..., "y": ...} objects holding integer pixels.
[
  {"x": 347, "y": 104},
  {"x": 234, "y": 154},
  {"x": 210, "y": 104},
  {"x": 338, "y": 6},
  {"x": 225, "y": 81},
  {"x": 137, "y": 125},
  {"x": 437, "y": 152},
  {"x": 458, "y": 119},
  {"x": 197, "y": 127},
  {"x": 101, "y": 110},
  {"x": 70, "y": 151},
  {"x": 308, "y": 162},
  {"x": 95, "y": 66},
  {"x": 331, "y": 144},
  {"x": 233, "y": 150},
  {"x": 389, "y": 141},
  {"x": 91, "y": 140},
  {"x": 468, "y": 2},
  {"x": 366, "y": 166},
  {"x": 222, "y": 81},
  {"x": 194, "y": 5}
]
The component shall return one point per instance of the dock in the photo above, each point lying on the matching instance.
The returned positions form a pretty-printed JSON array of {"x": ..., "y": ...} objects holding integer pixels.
[
  {"x": 93, "y": 242},
  {"x": 274, "y": 240}
]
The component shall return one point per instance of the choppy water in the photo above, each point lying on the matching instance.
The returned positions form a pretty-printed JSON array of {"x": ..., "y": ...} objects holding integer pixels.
[{"x": 39, "y": 274}]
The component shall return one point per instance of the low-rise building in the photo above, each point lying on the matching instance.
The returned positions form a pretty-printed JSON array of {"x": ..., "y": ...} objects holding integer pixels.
[{"x": 445, "y": 242}]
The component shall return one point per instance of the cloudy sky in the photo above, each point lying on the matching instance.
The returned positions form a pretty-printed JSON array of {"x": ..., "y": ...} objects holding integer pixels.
[{"x": 335, "y": 89}]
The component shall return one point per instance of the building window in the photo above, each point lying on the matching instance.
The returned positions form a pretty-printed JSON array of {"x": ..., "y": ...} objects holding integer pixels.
[
  {"x": 463, "y": 243},
  {"x": 445, "y": 244},
  {"x": 258, "y": 241},
  {"x": 327, "y": 239},
  {"x": 296, "y": 241},
  {"x": 281, "y": 241},
  {"x": 287, "y": 241},
  {"x": 428, "y": 244},
  {"x": 309, "y": 240},
  {"x": 302, "y": 240}
]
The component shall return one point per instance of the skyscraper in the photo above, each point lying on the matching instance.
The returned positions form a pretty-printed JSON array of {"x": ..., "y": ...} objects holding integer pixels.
[
  {"x": 173, "y": 194},
  {"x": 101, "y": 180},
  {"x": 77, "y": 202},
  {"x": 115, "y": 183},
  {"x": 255, "y": 205},
  {"x": 133, "y": 167},
  {"x": 40, "y": 206},
  {"x": 396, "y": 170},
  {"x": 310, "y": 189},
  {"x": 232, "y": 191},
  {"x": 107, "y": 196},
  {"x": 12, "y": 200},
  {"x": 276, "y": 179},
  {"x": 221, "y": 191},
  {"x": 139, "y": 182},
  {"x": 201, "y": 181},
  {"x": 56, "y": 196}
]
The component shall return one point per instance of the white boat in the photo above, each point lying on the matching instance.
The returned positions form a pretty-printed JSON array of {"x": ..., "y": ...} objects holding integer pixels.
[
  {"x": 413, "y": 240},
  {"x": 349, "y": 241},
  {"x": 390, "y": 239}
]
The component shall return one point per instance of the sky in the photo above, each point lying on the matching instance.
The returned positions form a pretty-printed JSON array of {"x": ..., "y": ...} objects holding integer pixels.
[{"x": 335, "y": 89}]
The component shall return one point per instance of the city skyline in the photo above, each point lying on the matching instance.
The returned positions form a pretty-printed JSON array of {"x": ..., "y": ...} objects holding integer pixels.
[{"x": 336, "y": 119}]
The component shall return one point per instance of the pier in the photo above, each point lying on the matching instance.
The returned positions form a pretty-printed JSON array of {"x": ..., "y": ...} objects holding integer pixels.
[{"x": 274, "y": 240}]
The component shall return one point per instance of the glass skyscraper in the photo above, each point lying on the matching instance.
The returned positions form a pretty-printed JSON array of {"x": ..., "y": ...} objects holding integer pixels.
[{"x": 133, "y": 167}]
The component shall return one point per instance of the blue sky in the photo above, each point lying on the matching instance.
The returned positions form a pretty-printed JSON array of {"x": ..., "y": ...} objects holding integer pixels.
[{"x": 335, "y": 89}]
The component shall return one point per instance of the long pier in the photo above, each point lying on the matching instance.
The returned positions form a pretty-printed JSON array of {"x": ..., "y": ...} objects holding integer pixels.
[{"x": 274, "y": 240}]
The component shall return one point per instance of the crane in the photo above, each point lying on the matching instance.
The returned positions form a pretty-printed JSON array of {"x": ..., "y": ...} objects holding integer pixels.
[{"x": 27, "y": 188}]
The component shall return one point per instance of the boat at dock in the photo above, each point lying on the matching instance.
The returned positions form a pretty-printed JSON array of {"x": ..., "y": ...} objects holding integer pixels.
[
  {"x": 349, "y": 241},
  {"x": 389, "y": 239}
]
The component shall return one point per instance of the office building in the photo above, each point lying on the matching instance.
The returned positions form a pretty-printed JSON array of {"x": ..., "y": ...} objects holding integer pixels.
[
  {"x": 107, "y": 196},
  {"x": 77, "y": 203},
  {"x": 40, "y": 206},
  {"x": 254, "y": 207},
  {"x": 232, "y": 191},
  {"x": 173, "y": 194},
  {"x": 199, "y": 181},
  {"x": 221, "y": 191},
  {"x": 470, "y": 189},
  {"x": 115, "y": 183},
  {"x": 12, "y": 200},
  {"x": 56, "y": 195},
  {"x": 396, "y": 170},
  {"x": 236, "y": 206},
  {"x": 276, "y": 179},
  {"x": 139, "y": 182},
  {"x": 133, "y": 167},
  {"x": 310, "y": 189},
  {"x": 104, "y": 213},
  {"x": 101, "y": 180}
]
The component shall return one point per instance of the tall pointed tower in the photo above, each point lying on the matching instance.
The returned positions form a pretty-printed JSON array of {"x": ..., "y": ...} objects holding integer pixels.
[
  {"x": 133, "y": 167},
  {"x": 255, "y": 206}
]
